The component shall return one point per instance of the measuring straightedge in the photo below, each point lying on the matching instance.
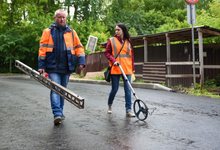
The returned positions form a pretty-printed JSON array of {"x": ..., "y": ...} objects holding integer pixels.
[{"x": 62, "y": 91}]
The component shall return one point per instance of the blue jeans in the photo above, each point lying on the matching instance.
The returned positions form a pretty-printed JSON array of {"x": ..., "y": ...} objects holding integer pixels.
[
  {"x": 115, "y": 85},
  {"x": 57, "y": 101}
]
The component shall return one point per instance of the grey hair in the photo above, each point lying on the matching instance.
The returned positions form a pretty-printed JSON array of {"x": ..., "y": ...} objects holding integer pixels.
[{"x": 60, "y": 11}]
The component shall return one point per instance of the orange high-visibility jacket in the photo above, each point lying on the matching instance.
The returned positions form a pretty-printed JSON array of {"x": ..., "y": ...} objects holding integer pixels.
[
  {"x": 72, "y": 43},
  {"x": 124, "y": 58},
  {"x": 73, "y": 46}
]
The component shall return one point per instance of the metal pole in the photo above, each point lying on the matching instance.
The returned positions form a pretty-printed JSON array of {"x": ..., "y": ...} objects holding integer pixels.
[{"x": 193, "y": 47}]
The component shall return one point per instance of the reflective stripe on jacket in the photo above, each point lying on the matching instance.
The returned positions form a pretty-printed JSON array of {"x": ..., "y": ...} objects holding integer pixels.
[{"x": 124, "y": 58}]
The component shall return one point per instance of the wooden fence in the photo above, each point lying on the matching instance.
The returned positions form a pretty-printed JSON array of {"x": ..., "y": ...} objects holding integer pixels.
[
  {"x": 96, "y": 62},
  {"x": 181, "y": 71}
]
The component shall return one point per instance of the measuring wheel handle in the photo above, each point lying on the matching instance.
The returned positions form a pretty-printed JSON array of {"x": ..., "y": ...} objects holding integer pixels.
[{"x": 140, "y": 109}]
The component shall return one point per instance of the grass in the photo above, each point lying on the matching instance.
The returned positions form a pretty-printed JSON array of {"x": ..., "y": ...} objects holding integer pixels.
[{"x": 207, "y": 90}]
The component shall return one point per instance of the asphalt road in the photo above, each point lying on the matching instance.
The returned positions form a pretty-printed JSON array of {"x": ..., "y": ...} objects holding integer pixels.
[{"x": 180, "y": 122}]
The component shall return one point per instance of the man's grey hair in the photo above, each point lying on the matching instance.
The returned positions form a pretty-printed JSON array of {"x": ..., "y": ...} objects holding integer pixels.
[{"x": 60, "y": 11}]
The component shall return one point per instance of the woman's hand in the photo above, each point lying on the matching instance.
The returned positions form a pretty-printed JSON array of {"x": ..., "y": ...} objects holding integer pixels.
[{"x": 116, "y": 63}]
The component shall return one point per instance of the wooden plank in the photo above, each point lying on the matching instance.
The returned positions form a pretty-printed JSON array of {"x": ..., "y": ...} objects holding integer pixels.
[
  {"x": 138, "y": 63},
  {"x": 182, "y": 63},
  {"x": 168, "y": 56},
  {"x": 211, "y": 66},
  {"x": 154, "y": 69},
  {"x": 158, "y": 66},
  {"x": 145, "y": 50},
  {"x": 155, "y": 75},
  {"x": 201, "y": 69},
  {"x": 209, "y": 31},
  {"x": 181, "y": 76},
  {"x": 154, "y": 78},
  {"x": 153, "y": 72},
  {"x": 155, "y": 62}
]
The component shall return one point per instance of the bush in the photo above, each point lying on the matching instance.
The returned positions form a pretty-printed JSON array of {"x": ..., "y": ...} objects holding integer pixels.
[{"x": 217, "y": 80}]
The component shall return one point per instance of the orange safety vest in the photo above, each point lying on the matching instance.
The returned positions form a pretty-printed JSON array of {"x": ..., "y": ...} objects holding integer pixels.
[
  {"x": 71, "y": 40},
  {"x": 124, "y": 58}
]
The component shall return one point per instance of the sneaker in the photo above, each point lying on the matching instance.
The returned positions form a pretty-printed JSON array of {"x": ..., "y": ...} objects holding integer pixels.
[
  {"x": 109, "y": 110},
  {"x": 57, "y": 120},
  {"x": 130, "y": 114}
]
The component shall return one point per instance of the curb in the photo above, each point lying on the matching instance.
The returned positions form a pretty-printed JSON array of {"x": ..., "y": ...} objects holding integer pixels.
[{"x": 154, "y": 86}]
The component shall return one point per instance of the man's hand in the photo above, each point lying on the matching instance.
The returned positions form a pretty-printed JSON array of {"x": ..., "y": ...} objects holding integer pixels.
[{"x": 41, "y": 71}]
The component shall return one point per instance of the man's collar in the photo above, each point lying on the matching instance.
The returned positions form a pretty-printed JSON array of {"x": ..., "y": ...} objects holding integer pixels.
[{"x": 54, "y": 25}]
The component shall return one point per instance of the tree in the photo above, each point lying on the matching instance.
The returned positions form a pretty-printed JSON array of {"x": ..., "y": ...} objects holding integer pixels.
[
  {"x": 144, "y": 15},
  {"x": 21, "y": 26},
  {"x": 91, "y": 27},
  {"x": 22, "y": 22},
  {"x": 85, "y": 9},
  {"x": 211, "y": 16}
]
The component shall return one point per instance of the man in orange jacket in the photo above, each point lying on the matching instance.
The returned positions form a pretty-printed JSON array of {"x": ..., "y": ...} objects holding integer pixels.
[{"x": 59, "y": 53}]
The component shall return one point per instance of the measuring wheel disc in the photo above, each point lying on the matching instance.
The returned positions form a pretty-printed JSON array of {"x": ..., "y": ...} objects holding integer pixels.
[{"x": 140, "y": 109}]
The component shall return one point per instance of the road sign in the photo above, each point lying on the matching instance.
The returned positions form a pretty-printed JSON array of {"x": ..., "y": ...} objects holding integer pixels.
[
  {"x": 192, "y": 2},
  {"x": 91, "y": 44}
]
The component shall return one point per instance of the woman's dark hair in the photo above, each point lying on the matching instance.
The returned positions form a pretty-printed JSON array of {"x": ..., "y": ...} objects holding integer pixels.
[{"x": 125, "y": 31}]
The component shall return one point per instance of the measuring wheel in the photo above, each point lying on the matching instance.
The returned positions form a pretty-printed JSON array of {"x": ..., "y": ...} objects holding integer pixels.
[{"x": 140, "y": 110}]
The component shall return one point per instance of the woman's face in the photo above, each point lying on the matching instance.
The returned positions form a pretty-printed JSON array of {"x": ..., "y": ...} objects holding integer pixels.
[{"x": 118, "y": 31}]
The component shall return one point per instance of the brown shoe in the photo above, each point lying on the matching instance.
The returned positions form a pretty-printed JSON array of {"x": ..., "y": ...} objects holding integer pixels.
[{"x": 57, "y": 120}]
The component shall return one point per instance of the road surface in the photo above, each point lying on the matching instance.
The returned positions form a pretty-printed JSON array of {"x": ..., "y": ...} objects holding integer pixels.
[{"x": 180, "y": 122}]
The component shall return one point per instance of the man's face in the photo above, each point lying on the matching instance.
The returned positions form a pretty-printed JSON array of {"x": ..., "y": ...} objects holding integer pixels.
[{"x": 60, "y": 19}]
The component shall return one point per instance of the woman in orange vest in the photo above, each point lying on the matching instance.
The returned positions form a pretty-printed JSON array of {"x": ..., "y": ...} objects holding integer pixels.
[{"x": 120, "y": 45}]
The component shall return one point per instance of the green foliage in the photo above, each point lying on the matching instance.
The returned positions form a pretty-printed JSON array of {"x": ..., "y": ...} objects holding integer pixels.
[
  {"x": 22, "y": 22},
  {"x": 165, "y": 6},
  {"x": 91, "y": 27},
  {"x": 217, "y": 80},
  {"x": 85, "y": 9},
  {"x": 212, "y": 83},
  {"x": 198, "y": 91},
  {"x": 14, "y": 44},
  {"x": 210, "y": 89},
  {"x": 20, "y": 33},
  {"x": 133, "y": 31},
  {"x": 210, "y": 17},
  {"x": 102, "y": 36},
  {"x": 145, "y": 16}
]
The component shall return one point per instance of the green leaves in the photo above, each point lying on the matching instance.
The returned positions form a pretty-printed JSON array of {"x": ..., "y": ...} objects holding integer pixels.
[
  {"x": 22, "y": 22},
  {"x": 91, "y": 27}
]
